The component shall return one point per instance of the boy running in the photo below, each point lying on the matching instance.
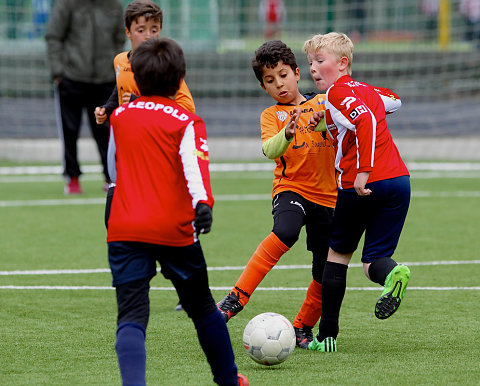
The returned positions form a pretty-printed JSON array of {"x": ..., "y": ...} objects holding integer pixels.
[
  {"x": 157, "y": 213},
  {"x": 373, "y": 182},
  {"x": 304, "y": 187}
]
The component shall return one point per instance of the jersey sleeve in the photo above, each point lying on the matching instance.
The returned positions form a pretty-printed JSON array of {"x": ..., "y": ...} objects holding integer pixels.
[
  {"x": 391, "y": 100},
  {"x": 194, "y": 155},
  {"x": 277, "y": 145},
  {"x": 184, "y": 97},
  {"x": 351, "y": 112}
]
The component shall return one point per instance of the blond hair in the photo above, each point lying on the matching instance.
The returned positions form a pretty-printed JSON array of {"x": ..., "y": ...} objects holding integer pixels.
[{"x": 336, "y": 43}]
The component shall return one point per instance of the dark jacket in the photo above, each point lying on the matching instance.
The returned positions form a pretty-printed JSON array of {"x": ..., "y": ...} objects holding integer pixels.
[{"x": 83, "y": 37}]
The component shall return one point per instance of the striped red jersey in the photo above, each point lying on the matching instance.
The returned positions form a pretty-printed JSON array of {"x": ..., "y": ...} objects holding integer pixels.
[
  {"x": 356, "y": 118},
  {"x": 307, "y": 167},
  {"x": 162, "y": 172}
]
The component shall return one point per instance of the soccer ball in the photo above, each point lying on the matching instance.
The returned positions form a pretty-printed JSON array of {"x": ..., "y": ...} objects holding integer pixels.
[{"x": 269, "y": 338}]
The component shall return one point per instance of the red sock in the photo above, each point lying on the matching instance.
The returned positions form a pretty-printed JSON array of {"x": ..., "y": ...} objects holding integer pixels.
[
  {"x": 311, "y": 309},
  {"x": 262, "y": 261}
]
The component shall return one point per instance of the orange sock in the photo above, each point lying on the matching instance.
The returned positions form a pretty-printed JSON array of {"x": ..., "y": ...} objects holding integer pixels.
[
  {"x": 267, "y": 254},
  {"x": 311, "y": 309}
]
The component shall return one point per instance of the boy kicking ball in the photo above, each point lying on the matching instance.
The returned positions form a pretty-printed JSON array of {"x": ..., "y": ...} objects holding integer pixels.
[
  {"x": 304, "y": 186},
  {"x": 374, "y": 183}
]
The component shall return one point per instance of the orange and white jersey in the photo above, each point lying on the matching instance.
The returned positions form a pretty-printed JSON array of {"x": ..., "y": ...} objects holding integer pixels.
[
  {"x": 308, "y": 165},
  {"x": 126, "y": 83}
]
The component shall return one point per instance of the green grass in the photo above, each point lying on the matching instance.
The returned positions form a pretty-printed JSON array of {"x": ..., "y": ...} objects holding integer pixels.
[{"x": 66, "y": 337}]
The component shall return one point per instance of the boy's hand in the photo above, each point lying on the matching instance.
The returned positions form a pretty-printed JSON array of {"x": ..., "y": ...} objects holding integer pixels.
[
  {"x": 360, "y": 182},
  {"x": 292, "y": 124},
  {"x": 203, "y": 218},
  {"x": 100, "y": 115},
  {"x": 317, "y": 121},
  {"x": 126, "y": 97}
]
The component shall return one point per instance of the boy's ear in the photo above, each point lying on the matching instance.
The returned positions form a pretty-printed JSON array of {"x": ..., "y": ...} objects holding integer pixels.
[
  {"x": 262, "y": 86},
  {"x": 297, "y": 74},
  {"x": 343, "y": 63},
  {"x": 127, "y": 32}
]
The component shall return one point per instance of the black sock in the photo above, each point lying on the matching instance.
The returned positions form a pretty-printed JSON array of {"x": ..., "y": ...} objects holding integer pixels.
[
  {"x": 380, "y": 268},
  {"x": 334, "y": 283}
]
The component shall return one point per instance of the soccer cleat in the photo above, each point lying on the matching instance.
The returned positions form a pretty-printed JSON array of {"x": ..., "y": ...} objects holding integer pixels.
[
  {"x": 303, "y": 336},
  {"x": 242, "y": 380},
  {"x": 229, "y": 306},
  {"x": 179, "y": 307},
  {"x": 329, "y": 344},
  {"x": 73, "y": 186},
  {"x": 392, "y": 295}
]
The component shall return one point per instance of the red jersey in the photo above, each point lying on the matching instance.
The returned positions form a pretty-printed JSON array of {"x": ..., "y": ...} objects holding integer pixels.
[
  {"x": 162, "y": 172},
  {"x": 307, "y": 167},
  {"x": 356, "y": 117}
]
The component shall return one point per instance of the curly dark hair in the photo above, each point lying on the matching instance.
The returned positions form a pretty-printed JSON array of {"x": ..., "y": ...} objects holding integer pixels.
[{"x": 269, "y": 54}]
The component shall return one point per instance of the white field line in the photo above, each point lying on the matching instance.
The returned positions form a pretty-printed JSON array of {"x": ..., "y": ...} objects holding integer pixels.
[
  {"x": 224, "y": 268},
  {"x": 76, "y": 288},
  {"x": 237, "y": 167},
  {"x": 218, "y": 197},
  {"x": 259, "y": 174}
]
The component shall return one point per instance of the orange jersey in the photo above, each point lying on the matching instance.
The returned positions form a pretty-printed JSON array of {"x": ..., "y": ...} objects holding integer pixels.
[
  {"x": 308, "y": 165},
  {"x": 126, "y": 83}
]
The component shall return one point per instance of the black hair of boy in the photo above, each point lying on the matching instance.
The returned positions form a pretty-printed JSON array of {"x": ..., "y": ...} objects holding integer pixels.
[
  {"x": 158, "y": 65},
  {"x": 146, "y": 8},
  {"x": 269, "y": 54}
]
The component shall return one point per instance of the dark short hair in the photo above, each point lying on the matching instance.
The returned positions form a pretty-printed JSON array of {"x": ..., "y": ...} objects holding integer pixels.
[
  {"x": 158, "y": 65},
  {"x": 269, "y": 54},
  {"x": 146, "y": 8}
]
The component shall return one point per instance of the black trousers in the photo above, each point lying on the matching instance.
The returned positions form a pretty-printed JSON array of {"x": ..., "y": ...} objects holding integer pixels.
[{"x": 72, "y": 98}]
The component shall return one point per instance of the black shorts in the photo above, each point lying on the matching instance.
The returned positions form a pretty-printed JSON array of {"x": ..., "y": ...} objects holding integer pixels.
[
  {"x": 380, "y": 216},
  {"x": 291, "y": 212}
]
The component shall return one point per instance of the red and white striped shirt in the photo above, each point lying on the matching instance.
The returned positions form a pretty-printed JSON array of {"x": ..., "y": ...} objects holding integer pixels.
[
  {"x": 355, "y": 117},
  {"x": 162, "y": 172}
]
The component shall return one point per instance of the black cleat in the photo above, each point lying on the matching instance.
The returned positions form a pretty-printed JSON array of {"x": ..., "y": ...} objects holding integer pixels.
[
  {"x": 229, "y": 306},
  {"x": 303, "y": 335}
]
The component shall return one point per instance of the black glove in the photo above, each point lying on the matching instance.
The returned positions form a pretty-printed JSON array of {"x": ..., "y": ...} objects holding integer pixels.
[{"x": 203, "y": 218}]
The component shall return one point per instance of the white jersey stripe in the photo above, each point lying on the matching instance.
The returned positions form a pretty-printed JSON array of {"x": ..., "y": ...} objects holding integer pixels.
[{"x": 191, "y": 169}]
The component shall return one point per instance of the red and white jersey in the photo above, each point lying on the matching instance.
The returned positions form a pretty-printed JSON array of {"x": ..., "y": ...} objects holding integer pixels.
[
  {"x": 162, "y": 172},
  {"x": 356, "y": 118}
]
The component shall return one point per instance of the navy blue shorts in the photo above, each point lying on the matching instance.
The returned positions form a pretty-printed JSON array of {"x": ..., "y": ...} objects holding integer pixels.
[
  {"x": 130, "y": 261},
  {"x": 380, "y": 216}
]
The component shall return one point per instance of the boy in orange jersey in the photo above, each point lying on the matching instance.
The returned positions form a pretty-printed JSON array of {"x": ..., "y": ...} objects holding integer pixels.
[
  {"x": 304, "y": 187},
  {"x": 157, "y": 214},
  {"x": 143, "y": 20}
]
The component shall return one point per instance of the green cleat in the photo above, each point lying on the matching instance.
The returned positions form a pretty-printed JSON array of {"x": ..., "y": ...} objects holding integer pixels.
[
  {"x": 329, "y": 344},
  {"x": 392, "y": 295}
]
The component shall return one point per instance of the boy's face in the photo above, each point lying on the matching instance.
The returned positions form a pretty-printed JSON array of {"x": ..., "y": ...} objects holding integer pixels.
[
  {"x": 281, "y": 83},
  {"x": 325, "y": 68},
  {"x": 142, "y": 29}
]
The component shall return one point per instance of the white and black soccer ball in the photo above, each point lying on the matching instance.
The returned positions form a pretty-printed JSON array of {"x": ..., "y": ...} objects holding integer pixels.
[{"x": 269, "y": 338}]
